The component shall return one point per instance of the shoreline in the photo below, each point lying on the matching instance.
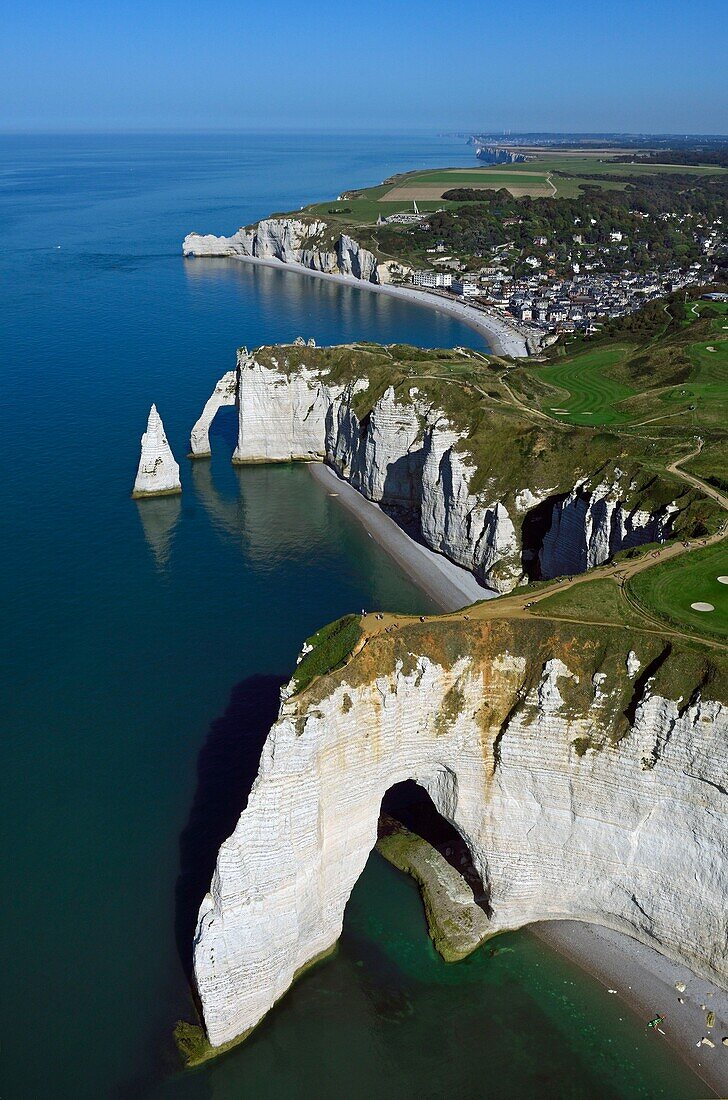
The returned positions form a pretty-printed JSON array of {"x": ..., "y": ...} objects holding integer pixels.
[
  {"x": 502, "y": 338},
  {"x": 645, "y": 981},
  {"x": 448, "y": 585},
  {"x": 643, "y": 978}
]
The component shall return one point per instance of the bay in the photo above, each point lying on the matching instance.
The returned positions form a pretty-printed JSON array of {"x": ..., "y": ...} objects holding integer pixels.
[{"x": 145, "y": 644}]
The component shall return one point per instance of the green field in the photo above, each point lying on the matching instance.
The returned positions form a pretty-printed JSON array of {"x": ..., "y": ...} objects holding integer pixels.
[
  {"x": 482, "y": 177},
  {"x": 664, "y": 379},
  {"x": 568, "y": 179},
  {"x": 592, "y": 394},
  {"x": 569, "y": 173},
  {"x": 668, "y": 590},
  {"x": 365, "y": 211},
  {"x": 425, "y": 185},
  {"x": 707, "y": 388},
  {"x": 582, "y": 166}
]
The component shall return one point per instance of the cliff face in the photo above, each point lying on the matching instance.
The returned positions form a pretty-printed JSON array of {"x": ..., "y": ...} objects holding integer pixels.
[
  {"x": 592, "y": 524},
  {"x": 292, "y": 240},
  {"x": 405, "y": 452},
  {"x": 585, "y": 785}
]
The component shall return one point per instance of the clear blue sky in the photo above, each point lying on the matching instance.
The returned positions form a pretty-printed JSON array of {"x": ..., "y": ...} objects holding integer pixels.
[{"x": 649, "y": 65}]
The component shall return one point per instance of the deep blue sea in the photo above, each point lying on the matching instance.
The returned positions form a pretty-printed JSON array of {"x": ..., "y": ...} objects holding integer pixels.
[{"x": 145, "y": 643}]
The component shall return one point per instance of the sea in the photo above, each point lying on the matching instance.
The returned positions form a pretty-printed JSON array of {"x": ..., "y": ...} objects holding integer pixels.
[{"x": 145, "y": 644}]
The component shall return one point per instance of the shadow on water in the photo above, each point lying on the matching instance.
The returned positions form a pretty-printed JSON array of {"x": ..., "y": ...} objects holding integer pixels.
[{"x": 226, "y": 768}]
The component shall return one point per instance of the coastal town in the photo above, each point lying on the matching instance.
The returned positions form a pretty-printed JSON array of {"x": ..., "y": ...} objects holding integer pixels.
[{"x": 580, "y": 297}]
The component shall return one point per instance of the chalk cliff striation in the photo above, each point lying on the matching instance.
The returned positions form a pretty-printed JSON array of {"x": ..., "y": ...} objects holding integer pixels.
[
  {"x": 586, "y": 775},
  {"x": 508, "y": 497},
  {"x": 310, "y": 243}
]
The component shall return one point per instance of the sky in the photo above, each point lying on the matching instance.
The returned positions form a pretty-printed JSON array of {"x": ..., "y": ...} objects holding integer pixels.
[{"x": 643, "y": 66}]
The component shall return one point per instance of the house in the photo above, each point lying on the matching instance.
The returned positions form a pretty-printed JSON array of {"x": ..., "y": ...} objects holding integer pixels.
[{"x": 540, "y": 242}]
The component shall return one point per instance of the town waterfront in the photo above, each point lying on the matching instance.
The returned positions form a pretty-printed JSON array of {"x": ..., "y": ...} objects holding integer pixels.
[{"x": 146, "y": 643}]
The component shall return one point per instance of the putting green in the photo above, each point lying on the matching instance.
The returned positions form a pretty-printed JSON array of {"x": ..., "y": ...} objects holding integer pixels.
[
  {"x": 592, "y": 395},
  {"x": 683, "y": 589}
]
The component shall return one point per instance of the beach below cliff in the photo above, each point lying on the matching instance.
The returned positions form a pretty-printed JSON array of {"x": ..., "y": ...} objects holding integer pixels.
[
  {"x": 643, "y": 979},
  {"x": 650, "y": 984},
  {"x": 448, "y": 585}
]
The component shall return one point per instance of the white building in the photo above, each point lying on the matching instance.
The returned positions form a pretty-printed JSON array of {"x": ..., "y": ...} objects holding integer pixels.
[
  {"x": 432, "y": 279},
  {"x": 466, "y": 287}
]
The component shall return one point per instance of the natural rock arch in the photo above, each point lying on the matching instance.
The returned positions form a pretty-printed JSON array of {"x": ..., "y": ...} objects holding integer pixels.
[
  {"x": 617, "y": 836},
  {"x": 283, "y": 879},
  {"x": 225, "y": 393}
]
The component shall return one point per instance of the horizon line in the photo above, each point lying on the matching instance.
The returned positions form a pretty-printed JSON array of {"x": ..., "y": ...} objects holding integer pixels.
[{"x": 500, "y": 132}]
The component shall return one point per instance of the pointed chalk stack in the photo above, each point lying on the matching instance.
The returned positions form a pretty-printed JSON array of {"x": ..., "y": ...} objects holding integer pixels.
[{"x": 158, "y": 473}]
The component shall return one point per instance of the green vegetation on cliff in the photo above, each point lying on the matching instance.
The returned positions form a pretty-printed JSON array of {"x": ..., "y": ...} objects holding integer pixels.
[
  {"x": 327, "y": 649},
  {"x": 457, "y": 925},
  {"x": 664, "y": 369},
  {"x": 677, "y": 667},
  {"x": 480, "y": 214}
]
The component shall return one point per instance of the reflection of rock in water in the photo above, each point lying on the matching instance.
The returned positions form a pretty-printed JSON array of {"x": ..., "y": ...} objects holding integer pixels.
[
  {"x": 159, "y": 516},
  {"x": 281, "y": 514},
  {"x": 308, "y": 302},
  {"x": 272, "y": 518},
  {"x": 226, "y": 515}
]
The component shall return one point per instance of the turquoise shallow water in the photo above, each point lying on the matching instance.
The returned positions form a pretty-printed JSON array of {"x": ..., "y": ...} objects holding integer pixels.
[{"x": 145, "y": 644}]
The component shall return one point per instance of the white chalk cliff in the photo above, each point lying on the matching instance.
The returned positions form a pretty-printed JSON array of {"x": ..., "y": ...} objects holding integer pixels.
[
  {"x": 563, "y": 816},
  {"x": 158, "y": 473},
  {"x": 407, "y": 456},
  {"x": 592, "y": 524},
  {"x": 292, "y": 241}
]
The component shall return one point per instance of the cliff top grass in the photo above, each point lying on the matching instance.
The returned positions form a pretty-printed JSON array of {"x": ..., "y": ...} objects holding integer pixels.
[
  {"x": 542, "y": 179},
  {"x": 327, "y": 650},
  {"x": 670, "y": 590},
  {"x": 544, "y": 176},
  {"x": 676, "y": 377}
]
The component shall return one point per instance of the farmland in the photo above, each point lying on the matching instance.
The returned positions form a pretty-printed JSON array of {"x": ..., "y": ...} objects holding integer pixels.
[
  {"x": 433, "y": 184},
  {"x": 560, "y": 176}
]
